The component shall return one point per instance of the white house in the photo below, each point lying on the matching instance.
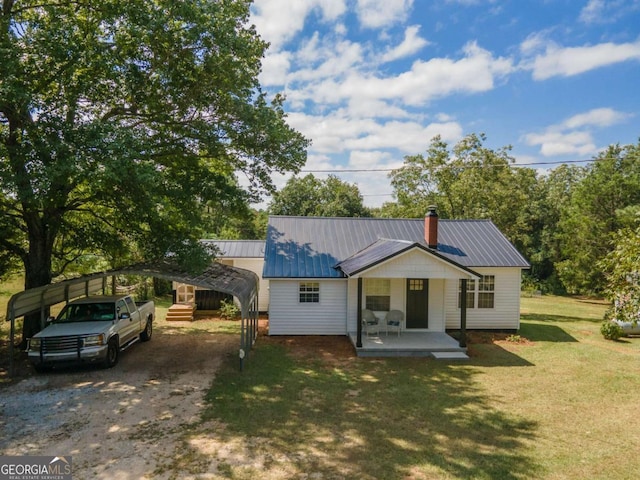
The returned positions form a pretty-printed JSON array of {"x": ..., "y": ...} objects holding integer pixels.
[{"x": 323, "y": 272}]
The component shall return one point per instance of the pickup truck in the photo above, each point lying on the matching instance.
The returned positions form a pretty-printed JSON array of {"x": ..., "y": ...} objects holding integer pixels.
[{"x": 92, "y": 330}]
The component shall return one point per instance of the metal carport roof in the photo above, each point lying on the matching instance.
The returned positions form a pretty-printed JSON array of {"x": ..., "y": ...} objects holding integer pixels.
[{"x": 242, "y": 284}]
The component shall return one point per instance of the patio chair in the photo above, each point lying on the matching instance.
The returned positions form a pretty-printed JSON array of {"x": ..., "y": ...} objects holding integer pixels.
[
  {"x": 370, "y": 323},
  {"x": 394, "y": 319}
]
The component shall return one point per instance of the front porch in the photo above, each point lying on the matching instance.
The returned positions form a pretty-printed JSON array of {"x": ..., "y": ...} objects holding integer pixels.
[{"x": 409, "y": 344}]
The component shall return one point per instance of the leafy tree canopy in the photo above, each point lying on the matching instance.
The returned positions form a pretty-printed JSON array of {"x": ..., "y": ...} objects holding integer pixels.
[
  {"x": 467, "y": 181},
  {"x": 120, "y": 122},
  {"x": 595, "y": 211},
  {"x": 622, "y": 272},
  {"x": 310, "y": 196}
]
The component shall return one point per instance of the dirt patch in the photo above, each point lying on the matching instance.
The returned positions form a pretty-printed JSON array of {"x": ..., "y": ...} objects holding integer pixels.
[
  {"x": 119, "y": 423},
  {"x": 333, "y": 350},
  {"x": 142, "y": 418},
  {"x": 497, "y": 338}
]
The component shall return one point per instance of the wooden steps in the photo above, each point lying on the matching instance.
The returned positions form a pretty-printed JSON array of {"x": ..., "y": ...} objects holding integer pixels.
[{"x": 181, "y": 312}]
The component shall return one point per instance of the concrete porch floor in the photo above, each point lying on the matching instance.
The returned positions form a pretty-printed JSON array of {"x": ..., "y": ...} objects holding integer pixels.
[{"x": 409, "y": 344}]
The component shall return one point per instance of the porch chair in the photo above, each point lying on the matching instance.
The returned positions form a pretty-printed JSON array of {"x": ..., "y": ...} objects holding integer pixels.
[
  {"x": 394, "y": 319},
  {"x": 370, "y": 323}
]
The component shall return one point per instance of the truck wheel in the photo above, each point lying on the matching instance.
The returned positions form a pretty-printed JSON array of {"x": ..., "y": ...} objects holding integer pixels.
[
  {"x": 145, "y": 336},
  {"x": 113, "y": 352}
]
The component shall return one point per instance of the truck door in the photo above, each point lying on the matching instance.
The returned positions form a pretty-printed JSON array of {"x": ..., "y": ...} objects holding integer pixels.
[
  {"x": 136, "y": 317},
  {"x": 126, "y": 324}
]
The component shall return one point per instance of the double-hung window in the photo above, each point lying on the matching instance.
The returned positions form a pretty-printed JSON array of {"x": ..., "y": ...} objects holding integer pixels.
[
  {"x": 486, "y": 291},
  {"x": 309, "y": 292},
  {"x": 471, "y": 293},
  {"x": 377, "y": 293}
]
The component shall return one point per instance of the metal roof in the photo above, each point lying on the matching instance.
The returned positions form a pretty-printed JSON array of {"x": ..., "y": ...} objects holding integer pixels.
[
  {"x": 238, "y": 248},
  {"x": 384, "y": 249},
  {"x": 311, "y": 247},
  {"x": 240, "y": 283}
]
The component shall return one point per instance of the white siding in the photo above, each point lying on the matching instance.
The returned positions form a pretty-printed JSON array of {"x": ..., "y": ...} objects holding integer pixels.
[
  {"x": 415, "y": 263},
  {"x": 287, "y": 316},
  {"x": 255, "y": 265},
  {"x": 399, "y": 302},
  {"x": 506, "y": 311},
  {"x": 436, "y": 305}
]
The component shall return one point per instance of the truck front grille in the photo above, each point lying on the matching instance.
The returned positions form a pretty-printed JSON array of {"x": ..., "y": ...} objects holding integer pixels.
[{"x": 61, "y": 344}]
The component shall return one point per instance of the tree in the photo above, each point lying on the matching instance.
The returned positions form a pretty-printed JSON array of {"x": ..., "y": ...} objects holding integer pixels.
[
  {"x": 549, "y": 200},
  {"x": 120, "y": 121},
  {"x": 594, "y": 213},
  {"x": 468, "y": 181},
  {"x": 622, "y": 273},
  {"x": 309, "y": 196}
]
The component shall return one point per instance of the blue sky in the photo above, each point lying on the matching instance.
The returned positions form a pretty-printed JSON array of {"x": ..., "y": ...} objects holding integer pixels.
[{"x": 371, "y": 81}]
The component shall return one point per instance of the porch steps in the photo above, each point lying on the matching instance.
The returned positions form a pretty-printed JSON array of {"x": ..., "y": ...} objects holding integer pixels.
[
  {"x": 425, "y": 353},
  {"x": 437, "y": 345},
  {"x": 181, "y": 312},
  {"x": 450, "y": 355}
]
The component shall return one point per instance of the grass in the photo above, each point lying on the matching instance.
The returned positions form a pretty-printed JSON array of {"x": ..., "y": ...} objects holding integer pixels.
[{"x": 560, "y": 405}]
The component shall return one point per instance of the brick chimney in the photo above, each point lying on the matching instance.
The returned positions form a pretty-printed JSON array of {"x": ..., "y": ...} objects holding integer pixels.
[{"x": 431, "y": 227}]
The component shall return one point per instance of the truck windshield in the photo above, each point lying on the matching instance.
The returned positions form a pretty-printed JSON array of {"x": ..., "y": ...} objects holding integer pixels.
[{"x": 87, "y": 312}]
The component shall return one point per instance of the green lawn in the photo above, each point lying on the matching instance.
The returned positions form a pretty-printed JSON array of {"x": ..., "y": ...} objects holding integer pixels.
[{"x": 562, "y": 405}]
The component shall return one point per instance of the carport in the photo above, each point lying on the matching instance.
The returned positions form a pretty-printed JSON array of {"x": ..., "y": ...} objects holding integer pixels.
[{"x": 242, "y": 284}]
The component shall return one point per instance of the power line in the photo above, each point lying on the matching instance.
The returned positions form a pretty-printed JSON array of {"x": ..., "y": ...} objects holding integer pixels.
[{"x": 515, "y": 165}]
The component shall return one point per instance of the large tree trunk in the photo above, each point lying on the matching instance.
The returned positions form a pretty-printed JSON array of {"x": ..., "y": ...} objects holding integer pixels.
[{"x": 37, "y": 270}]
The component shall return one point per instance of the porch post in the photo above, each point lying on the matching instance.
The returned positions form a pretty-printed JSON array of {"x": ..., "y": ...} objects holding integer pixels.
[
  {"x": 359, "y": 316},
  {"x": 463, "y": 314}
]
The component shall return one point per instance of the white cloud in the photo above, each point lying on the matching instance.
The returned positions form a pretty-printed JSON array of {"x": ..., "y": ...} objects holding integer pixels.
[
  {"x": 592, "y": 11},
  {"x": 607, "y": 11},
  {"x": 275, "y": 67},
  {"x": 427, "y": 80},
  {"x": 554, "y": 143},
  {"x": 408, "y": 137},
  {"x": 278, "y": 21},
  {"x": 322, "y": 59},
  {"x": 598, "y": 117},
  {"x": 574, "y": 135},
  {"x": 569, "y": 61},
  {"x": 374, "y": 108},
  {"x": 411, "y": 44},
  {"x": 382, "y": 13},
  {"x": 337, "y": 132}
]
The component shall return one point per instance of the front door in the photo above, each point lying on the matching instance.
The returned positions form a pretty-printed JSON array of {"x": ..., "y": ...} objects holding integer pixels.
[{"x": 417, "y": 303}]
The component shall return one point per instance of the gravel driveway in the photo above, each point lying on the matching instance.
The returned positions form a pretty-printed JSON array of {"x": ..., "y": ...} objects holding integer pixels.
[{"x": 120, "y": 423}]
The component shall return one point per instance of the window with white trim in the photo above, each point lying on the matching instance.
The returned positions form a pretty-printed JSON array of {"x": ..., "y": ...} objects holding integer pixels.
[
  {"x": 309, "y": 292},
  {"x": 486, "y": 291},
  {"x": 471, "y": 293},
  {"x": 377, "y": 293}
]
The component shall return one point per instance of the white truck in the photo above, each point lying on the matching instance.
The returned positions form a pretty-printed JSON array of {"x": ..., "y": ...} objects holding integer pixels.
[{"x": 92, "y": 330}]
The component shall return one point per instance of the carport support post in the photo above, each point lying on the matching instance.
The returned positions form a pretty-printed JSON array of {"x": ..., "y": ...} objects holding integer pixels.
[
  {"x": 359, "y": 327},
  {"x": 463, "y": 314},
  {"x": 12, "y": 335}
]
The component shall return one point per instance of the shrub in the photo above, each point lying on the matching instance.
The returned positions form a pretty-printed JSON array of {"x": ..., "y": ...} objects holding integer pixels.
[
  {"x": 611, "y": 331},
  {"x": 229, "y": 310},
  {"x": 515, "y": 339}
]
